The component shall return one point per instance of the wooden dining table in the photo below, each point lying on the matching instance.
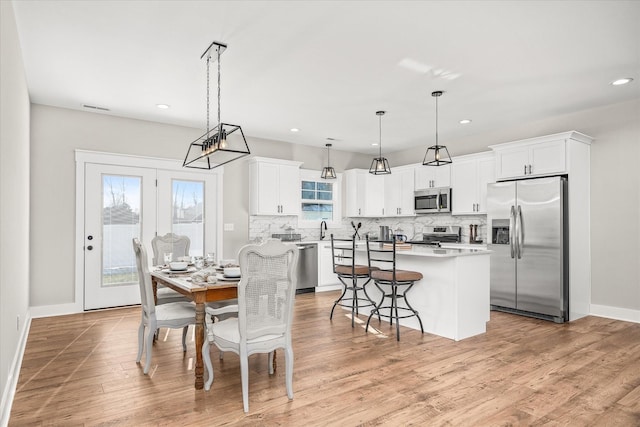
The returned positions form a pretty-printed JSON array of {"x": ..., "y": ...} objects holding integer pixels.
[{"x": 200, "y": 293}]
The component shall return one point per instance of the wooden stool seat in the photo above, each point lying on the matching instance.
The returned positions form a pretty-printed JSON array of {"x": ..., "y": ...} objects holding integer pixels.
[
  {"x": 356, "y": 269},
  {"x": 401, "y": 275}
]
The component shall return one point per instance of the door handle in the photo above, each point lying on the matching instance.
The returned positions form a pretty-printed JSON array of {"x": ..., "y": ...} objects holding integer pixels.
[
  {"x": 520, "y": 229},
  {"x": 529, "y": 169},
  {"x": 438, "y": 201},
  {"x": 512, "y": 221}
]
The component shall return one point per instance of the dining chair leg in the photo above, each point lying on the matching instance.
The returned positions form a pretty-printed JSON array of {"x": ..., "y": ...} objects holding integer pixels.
[
  {"x": 184, "y": 339},
  {"x": 140, "y": 341},
  {"x": 206, "y": 357},
  {"x": 149, "y": 348},
  {"x": 271, "y": 370},
  {"x": 288, "y": 357},
  {"x": 244, "y": 376}
]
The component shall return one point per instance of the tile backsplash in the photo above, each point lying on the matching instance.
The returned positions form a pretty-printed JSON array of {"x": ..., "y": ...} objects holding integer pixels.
[{"x": 262, "y": 227}]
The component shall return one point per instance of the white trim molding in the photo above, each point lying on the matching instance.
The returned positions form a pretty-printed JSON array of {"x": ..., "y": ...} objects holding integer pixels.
[
  {"x": 9, "y": 391},
  {"x": 616, "y": 313}
]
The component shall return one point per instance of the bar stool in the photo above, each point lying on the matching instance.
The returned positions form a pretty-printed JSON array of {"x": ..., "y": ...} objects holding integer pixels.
[
  {"x": 399, "y": 282},
  {"x": 349, "y": 273}
]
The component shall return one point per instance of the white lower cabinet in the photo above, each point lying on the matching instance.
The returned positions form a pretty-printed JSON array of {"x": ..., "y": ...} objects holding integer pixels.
[
  {"x": 327, "y": 278},
  {"x": 469, "y": 178}
]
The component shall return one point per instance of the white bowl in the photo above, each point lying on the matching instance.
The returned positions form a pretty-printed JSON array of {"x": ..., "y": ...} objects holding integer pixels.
[
  {"x": 232, "y": 271},
  {"x": 178, "y": 265}
]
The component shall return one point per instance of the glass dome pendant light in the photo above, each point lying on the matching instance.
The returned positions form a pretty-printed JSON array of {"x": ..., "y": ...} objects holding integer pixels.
[
  {"x": 436, "y": 155},
  {"x": 328, "y": 172},
  {"x": 380, "y": 165},
  {"x": 225, "y": 142}
]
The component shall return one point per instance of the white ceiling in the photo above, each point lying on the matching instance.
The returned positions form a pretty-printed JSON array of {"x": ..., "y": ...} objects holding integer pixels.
[{"x": 326, "y": 67}]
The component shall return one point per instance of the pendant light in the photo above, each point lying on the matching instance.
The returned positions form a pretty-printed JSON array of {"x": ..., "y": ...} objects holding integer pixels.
[
  {"x": 436, "y": 155},
  {"x": 380, "y": 165},
  {"x": 225, "y": 142},
  {"x": 328, "y": 172}
]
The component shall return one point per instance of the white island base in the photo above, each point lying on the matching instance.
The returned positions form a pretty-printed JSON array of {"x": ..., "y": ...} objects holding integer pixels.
[{"x": 452, "y": 299}]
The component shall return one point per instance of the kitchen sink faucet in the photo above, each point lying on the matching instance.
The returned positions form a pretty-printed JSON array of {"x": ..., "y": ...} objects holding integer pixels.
[{"x": 322, "y": 230}]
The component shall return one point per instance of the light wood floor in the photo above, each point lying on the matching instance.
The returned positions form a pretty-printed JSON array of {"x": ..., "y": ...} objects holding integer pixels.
[{"x": 81, "y": 370}]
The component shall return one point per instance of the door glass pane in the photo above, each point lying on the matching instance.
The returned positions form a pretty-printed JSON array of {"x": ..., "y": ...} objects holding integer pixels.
[
  {"x": 188, "y": 213},
  {"x": 121, "y": 197}
]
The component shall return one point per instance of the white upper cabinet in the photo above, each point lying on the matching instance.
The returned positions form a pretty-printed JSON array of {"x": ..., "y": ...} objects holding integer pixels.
[
  {"x": 274, "y": 186},
  {"x": 371, "y": 195},
  {"x": 469, "y": 178},
  {"x": 398, "y": 192},
  {"x": 364, "y": 193},
  {"x": 532, "y": 157},
  {"x": 432, "y": 176}
]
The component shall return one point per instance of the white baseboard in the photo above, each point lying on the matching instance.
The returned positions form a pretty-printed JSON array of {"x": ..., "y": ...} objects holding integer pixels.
[
  {"x": 617, "y": 313},
  {"x": 328, "y": 288},
  {"x": 14, "y": 372},
  {"x": 55, "y": 310}
]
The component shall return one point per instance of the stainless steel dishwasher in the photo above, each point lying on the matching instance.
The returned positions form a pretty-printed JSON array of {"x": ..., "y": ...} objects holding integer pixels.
[{"x": 307, "y": 267}]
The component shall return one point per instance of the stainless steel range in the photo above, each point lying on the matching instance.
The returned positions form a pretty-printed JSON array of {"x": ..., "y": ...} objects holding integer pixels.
[{"x": 433, "y": 235}]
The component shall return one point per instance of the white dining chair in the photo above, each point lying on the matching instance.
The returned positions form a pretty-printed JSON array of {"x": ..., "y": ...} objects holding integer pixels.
[
  {"x": 266, "y": 294},
  {"x": 178, "y": 246},
  {"x": 173, "y": 315}
]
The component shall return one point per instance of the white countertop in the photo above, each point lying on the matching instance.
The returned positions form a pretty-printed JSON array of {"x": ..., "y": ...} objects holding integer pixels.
[{"x": 427, "y": 251}]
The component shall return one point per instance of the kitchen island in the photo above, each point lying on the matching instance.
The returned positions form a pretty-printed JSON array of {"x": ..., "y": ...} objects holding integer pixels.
[{"x": 453, "y": 296}]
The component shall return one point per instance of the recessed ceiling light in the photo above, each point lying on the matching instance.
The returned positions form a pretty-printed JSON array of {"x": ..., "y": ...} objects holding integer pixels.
[
  {"x": 623, "y": 81},
  {"x": 375, "y": 144},
  {"x": 465, "y": 121},
  {"x": 162, "y": 106},
  {"x": 294, "y": 130}
]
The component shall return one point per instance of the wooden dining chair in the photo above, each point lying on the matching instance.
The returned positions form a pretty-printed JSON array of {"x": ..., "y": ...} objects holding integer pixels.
[
  {"x": 170, "y": 315},
  {"x": 266, "y": 294}
]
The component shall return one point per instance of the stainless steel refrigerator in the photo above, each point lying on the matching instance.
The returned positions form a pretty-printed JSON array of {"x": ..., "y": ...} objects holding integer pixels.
[{"x": 528, "y": 235}]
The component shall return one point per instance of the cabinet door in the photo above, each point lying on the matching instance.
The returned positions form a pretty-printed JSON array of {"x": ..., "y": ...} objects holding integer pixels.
[
  {"x": 406, "y": 192},
  {"x": 327, "y": 276},
  {"x": 354, "y": 192},
  {"x": 267, "y": 179},
  {"x": 548, "y": 158},
  {"x": 423, "y": 177},
  {"x": 374, "y": 195},
  {"x": 512, "y": 163},
  {"x": 442, "y": 175},
  {"x": 486, "y": 175},
  {"x": 464, "y": 190},
  {"x": 392, "y": 194},
  {"x": 289, "y": 189}
]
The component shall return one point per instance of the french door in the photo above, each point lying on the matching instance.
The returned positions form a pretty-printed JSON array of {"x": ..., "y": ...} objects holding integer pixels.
[{"x": 123, "y": 202}]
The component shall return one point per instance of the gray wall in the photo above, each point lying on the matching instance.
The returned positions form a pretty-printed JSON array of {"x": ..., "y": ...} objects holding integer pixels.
[
  {"x": 57, "y": 132},
  {"x": 615, "y": 191},
  {"x": 14, "y": 197}
]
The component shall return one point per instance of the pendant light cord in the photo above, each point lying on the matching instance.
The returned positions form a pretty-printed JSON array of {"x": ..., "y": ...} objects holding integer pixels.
[
  {"x": 218, "y": 86},
  {"x": 437, "y": 120},
  {"x": 380, "y": 145},
  {"x": 208, "y": 58}
]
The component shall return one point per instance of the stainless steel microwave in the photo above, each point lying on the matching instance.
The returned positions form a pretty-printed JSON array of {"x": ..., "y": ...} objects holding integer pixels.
[{"x": 432, "y": 200}]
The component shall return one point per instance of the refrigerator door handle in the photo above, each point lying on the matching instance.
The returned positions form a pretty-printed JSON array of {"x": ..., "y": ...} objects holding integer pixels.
[
  {"x": 512, "y": 220},
  {"x": 520, "y": 232}
]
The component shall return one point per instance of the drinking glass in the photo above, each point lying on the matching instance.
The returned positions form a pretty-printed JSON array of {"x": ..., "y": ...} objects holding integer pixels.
[
  {"x": 168, "y": 257},
  {"x": 211, "y": 259},
  {"x": 198, "y": 262}
]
